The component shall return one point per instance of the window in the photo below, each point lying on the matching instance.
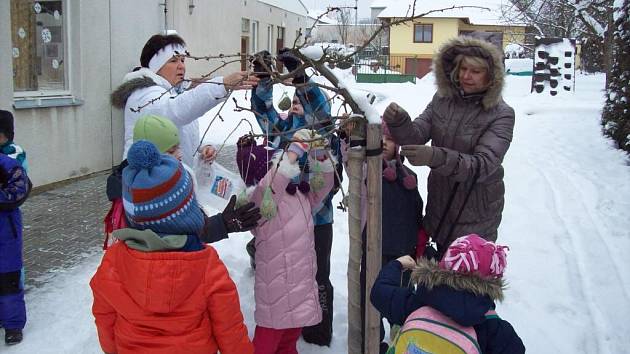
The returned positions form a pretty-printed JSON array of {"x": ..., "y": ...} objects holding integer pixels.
[
  {"x": 254, "y": 36},
  {"x": 281, "y": 33},
  {"x": 422, "y": 33},
  {"x": 245, "y": 25},
  {"x": 270, "y": 38},
  {"x": 38, "y": 36}
]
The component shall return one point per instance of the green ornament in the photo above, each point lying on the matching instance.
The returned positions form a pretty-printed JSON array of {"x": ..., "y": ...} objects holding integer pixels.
[
  {"x": 285, "y": 102},
  {"x": 241, "y": 199},
  {"x": 317, "y": 179},
  {"x": 268, "y": 208}
]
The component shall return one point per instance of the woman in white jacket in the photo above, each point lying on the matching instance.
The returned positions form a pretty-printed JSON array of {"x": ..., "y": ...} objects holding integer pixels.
[{"x": 158, "y": 87}]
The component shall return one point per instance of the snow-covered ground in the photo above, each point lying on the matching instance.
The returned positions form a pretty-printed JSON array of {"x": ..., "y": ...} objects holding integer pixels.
[{"x": 566, "y": 220}]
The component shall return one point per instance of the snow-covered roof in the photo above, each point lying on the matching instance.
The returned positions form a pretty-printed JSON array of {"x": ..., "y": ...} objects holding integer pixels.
[
  {"x": 491, "y": 12},
  {"x": 314, "y": 14},
  {"x": 295, "y": 6}
]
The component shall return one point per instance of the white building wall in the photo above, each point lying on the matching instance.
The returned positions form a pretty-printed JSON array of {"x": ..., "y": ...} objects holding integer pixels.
[
  {"x": 215, "y": 27},
  {"x": 104, "y": 40}
]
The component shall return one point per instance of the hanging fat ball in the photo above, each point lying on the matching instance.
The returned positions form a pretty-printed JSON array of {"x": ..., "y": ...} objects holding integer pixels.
[
  {"x": 268, "y": 208},
  {"x": 241, "y": 199},
  {"x": 285, "y": 102},
  {"x": 317, "y": 178}
]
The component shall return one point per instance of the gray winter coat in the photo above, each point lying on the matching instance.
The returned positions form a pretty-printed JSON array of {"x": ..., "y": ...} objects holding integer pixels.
[{"x": 470, "y": 135}]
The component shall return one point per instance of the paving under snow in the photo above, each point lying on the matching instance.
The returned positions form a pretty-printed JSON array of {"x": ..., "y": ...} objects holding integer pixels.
[{"x": 566, "y": 220}]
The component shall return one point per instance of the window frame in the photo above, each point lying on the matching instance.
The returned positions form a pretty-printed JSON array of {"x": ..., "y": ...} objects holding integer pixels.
[
  {"x": 245, "y": 24},
  {"x": 33, "y": 98},
  {"x": 270, "y": 39},
  {"x": 422, "y": 40},
  {"x": 254, "y": 36}
]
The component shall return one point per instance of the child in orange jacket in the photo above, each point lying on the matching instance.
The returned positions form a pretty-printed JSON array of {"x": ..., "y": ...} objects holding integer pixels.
[{"x": 161, "y": 290}]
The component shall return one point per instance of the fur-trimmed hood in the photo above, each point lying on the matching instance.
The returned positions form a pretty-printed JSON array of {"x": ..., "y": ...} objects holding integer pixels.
[
  {"x": 443, "y": 66},
  {"x": 429, "y": 275},
  {"x": 136, "y": 80}
]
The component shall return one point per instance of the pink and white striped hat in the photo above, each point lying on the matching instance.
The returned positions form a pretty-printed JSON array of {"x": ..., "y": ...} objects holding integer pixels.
[{"x": 473, "y": 254}]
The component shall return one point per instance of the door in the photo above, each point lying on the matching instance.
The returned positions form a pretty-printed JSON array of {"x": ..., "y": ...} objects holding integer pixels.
[
  {"x": 244, "y": 46},
  {"x": 418, "y": 67},
  {"x": 280, "y": 45}
]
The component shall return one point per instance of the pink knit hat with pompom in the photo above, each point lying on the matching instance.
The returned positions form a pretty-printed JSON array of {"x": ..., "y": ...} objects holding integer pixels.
[{"x": 471, "y": 254}]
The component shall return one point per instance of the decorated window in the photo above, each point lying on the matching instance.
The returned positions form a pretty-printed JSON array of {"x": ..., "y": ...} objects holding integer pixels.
[{"x": 38, "y": 35}]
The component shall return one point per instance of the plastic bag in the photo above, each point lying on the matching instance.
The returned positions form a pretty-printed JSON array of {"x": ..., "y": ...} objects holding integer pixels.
[{"x": 216, "y": 184}]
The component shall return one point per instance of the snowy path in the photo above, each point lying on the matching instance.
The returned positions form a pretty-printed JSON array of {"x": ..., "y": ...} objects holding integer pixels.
[{"x": 566, "y": 220}]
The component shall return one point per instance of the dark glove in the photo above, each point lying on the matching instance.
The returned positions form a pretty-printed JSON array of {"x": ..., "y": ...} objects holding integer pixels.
[
  {"x": 418, "y": 155},
  {"x": 395, "y": 115},
  {"x": 291, "y": 62},
  {"x": 240, "y": 219},
  {"x": 259, "y": 69},
  {"x": 286, "y": 57}
]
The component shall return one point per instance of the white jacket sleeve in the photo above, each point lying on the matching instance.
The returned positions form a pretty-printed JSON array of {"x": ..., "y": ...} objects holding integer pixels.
[{"x": 186, "y": 107}]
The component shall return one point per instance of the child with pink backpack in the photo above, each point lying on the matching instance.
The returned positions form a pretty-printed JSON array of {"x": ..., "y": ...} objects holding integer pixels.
[{"x": 452, "y": 305}]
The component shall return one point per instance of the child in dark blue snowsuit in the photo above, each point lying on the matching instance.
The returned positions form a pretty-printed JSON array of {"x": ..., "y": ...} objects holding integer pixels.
[{"x": 14, "y": 189}]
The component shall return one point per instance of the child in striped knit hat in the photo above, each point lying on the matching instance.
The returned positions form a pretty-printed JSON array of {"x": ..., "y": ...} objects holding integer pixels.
[
  {"x": 161, "y": 286},
  {"x": 163, "y": 133},
  {"x": 458, "y": 294}
]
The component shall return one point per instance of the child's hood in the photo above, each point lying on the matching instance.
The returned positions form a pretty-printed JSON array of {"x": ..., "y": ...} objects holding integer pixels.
[
  {"x": 161, "y": 281},
  {"x": 429, "y": 275}
]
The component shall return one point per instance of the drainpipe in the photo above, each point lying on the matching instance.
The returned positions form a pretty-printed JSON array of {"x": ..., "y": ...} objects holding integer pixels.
[{"x": 165, "y": 5}]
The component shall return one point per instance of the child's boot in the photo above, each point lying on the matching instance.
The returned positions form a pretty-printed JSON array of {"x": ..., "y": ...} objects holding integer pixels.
[{"x": 12, "y": 336}]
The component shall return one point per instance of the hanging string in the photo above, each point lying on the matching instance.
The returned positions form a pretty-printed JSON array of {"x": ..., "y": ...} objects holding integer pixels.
[{"x": 211, "y": 122}]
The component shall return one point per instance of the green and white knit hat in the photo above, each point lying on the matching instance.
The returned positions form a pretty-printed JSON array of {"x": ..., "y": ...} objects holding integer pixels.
[{"x": 159, "y": 130}]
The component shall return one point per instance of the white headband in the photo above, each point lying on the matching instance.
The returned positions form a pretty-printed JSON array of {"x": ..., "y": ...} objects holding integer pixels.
[{"x": 164, "y": 55}]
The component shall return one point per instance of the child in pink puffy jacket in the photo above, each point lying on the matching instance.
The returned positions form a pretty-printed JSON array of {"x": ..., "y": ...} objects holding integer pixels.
[{"x": 285, "y": 287}]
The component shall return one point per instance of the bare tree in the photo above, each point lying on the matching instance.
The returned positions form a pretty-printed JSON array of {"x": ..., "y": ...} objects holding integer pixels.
[
  {"x": 366, "y": 29},
  {"x": 588, "y": 20},
  {"x": 344, "y": 17},
  {"x": 366, "y": 132}
]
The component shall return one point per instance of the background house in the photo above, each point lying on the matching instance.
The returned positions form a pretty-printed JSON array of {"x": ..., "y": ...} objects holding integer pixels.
[
  {"x": 61, "y": 59},
  {"x": 412, "y": 44}
]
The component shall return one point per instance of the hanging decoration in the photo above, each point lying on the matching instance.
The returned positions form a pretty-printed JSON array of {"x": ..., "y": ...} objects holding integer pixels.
[
  {"x": 37, "y": 7},
  {"x": 285, "y": 102},
  {"x": 268, "y": 208},
  {"x": 241, "y": 199},
  {"x": 21, "y": 33},
  {"x": 317, "y": 179}
]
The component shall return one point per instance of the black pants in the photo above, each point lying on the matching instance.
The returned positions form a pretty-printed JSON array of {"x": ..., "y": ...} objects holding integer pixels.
[{"x": 321, "y": 333}]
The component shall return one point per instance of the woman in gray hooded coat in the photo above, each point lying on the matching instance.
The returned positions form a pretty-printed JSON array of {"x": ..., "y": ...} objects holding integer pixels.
[{"x": 470, "y": 128}]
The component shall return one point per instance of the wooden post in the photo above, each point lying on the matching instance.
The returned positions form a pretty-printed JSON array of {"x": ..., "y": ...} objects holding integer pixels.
[
  {"x": 356, "y": 158},
  {"x": 374, "y": 222}
]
